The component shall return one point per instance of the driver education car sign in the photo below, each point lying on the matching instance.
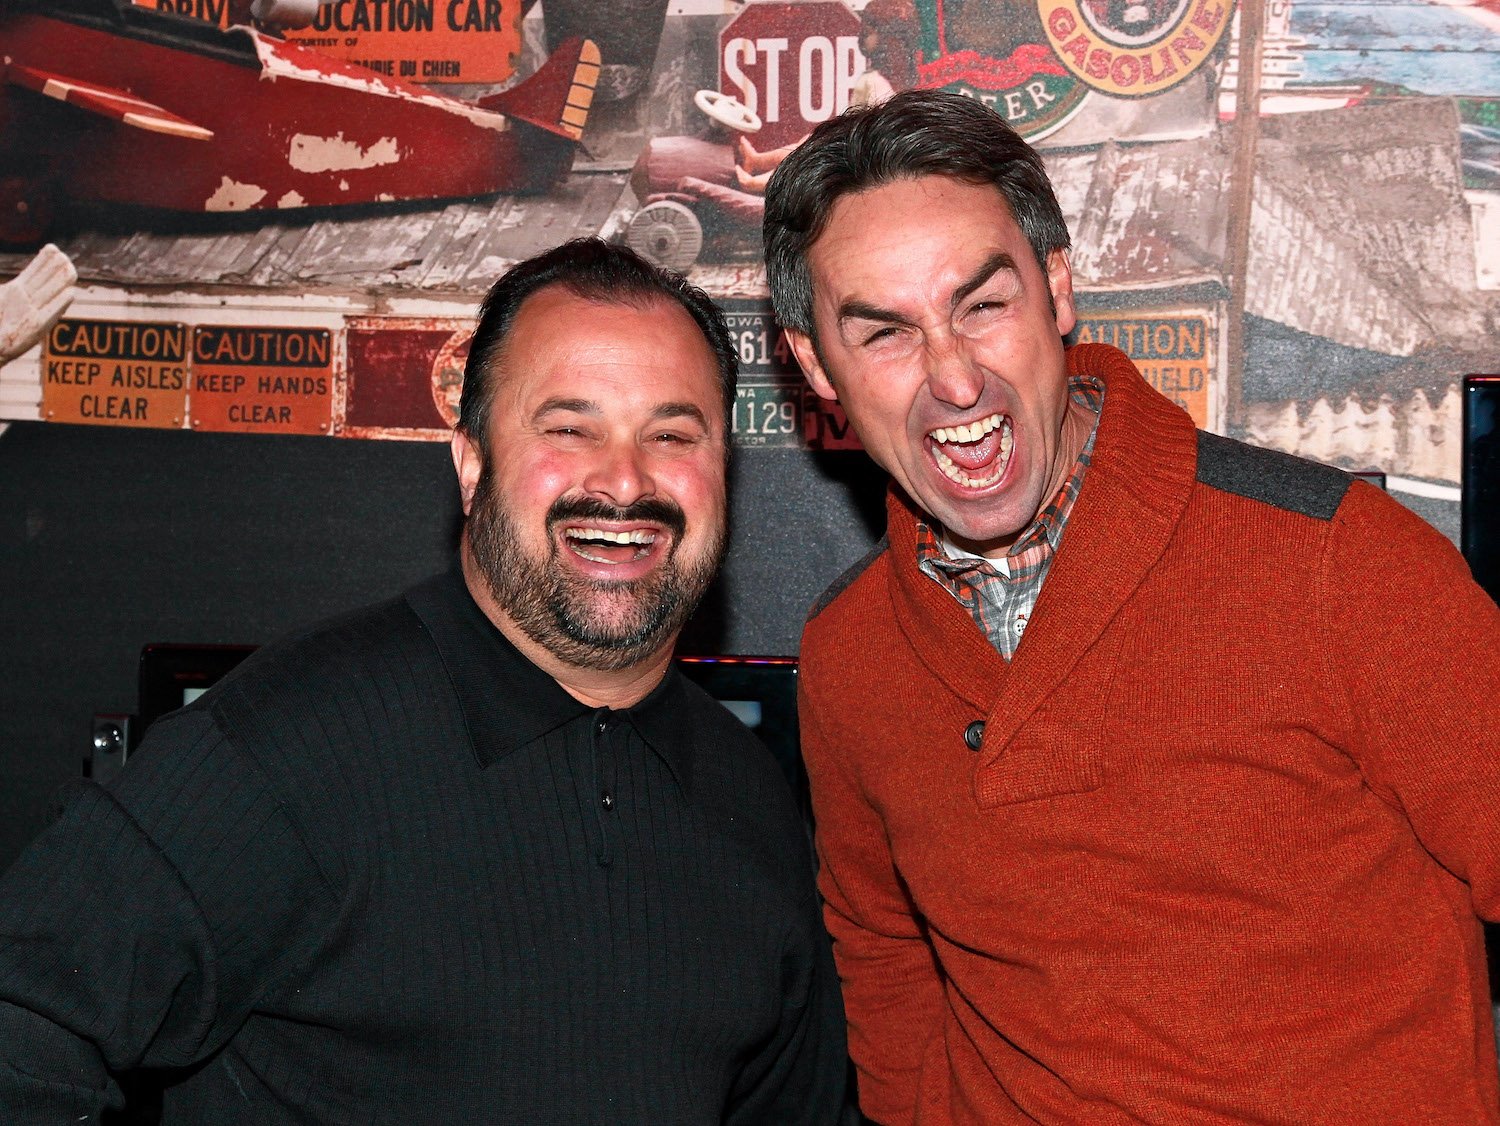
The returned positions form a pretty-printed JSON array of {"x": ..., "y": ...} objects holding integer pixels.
[
  {"x": 424, "y": 41},
  {"x": 420, "y": 40}
]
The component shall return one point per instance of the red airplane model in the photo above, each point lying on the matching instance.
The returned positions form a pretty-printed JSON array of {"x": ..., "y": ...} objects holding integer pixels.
[{"x": 107, "y": 102}]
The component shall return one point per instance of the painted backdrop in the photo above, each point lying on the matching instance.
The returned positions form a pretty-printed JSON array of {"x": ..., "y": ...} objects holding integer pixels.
[{"x": 1288, "y": 211}]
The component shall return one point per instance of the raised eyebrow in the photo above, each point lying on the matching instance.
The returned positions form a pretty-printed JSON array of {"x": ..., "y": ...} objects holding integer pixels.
[
  {"x": 681, "y": 410},
  {"x": 994, "y": 264},
  {"x": 567, "y": 406}
]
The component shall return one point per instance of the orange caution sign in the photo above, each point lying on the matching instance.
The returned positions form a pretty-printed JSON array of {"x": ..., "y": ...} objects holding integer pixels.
[
  {"x": 115, "y": 373},
  {"x": 254, "y": 379}
]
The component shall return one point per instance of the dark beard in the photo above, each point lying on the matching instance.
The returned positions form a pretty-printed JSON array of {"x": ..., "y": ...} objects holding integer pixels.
[{"x": 559, "y": 610}]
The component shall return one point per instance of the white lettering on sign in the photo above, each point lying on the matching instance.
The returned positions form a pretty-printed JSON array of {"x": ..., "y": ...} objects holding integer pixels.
[
  {"x": 772, "y": 49},
  {"x": 737, "y": 52},
  {"x": 826, "y": 73},
  {"x": 816, "y": 55},
  {"x": 823, "y": 84}
]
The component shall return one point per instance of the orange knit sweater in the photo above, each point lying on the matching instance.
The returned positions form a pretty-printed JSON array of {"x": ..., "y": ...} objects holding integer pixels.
[{"x": 1236, "y": 807}]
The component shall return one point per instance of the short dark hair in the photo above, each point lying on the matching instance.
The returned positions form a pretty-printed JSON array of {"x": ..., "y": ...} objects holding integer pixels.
[
  {"x": 915, "y": 133},
  {"x": 593, "y": 270}
]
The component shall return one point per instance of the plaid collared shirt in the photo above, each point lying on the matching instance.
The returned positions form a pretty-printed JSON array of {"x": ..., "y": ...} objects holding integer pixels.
[{"x": 1000, "y": 595}]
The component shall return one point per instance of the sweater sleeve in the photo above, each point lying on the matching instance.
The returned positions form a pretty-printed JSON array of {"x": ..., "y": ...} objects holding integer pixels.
[
  {"x": 893, "y": 991},
  {"x": 799, "y": 1076},
  {"x": 1416, "y": 644},
  {"x": 141, "y": 928}
]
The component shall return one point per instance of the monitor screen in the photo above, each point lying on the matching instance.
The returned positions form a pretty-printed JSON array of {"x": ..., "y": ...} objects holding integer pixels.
[
  {"x": 1480, "y": 535},
  {"x": 174, "y": 675},
  {"x": 761, "y": 692}
]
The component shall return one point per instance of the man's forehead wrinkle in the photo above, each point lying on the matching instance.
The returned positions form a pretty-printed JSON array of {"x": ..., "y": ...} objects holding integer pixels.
[{"x": 858, "y": 309}]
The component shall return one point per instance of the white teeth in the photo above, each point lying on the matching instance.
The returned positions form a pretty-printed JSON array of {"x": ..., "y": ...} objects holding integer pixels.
[
  {"x": 958, "y": 476},
  {"x": 961, "y": 476},
  {"x": 639, "y": 536},
  {"x": 971, "y": 432}
]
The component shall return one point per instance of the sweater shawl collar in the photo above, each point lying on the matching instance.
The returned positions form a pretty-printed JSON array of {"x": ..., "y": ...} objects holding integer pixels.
[{"x": 1135, "y": 491}]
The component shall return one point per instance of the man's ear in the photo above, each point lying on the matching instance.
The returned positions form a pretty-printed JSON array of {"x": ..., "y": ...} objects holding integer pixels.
[
  {"x": 812, "y": 367},
  {"x": 468, "y": 463},
  {"x": 1060, "y": 282}
]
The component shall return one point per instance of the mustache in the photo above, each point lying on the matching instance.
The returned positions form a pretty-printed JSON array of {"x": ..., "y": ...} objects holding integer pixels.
[{"x": 657, "y": 510}]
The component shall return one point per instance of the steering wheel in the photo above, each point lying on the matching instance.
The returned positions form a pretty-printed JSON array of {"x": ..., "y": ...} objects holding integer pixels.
[{"x": 727, "y": 110}]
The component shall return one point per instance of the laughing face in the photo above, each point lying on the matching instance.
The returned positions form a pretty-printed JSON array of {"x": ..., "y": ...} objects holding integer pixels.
[
  {"x": 597, "y": 514},
  {"x": 942, "y": 338}
]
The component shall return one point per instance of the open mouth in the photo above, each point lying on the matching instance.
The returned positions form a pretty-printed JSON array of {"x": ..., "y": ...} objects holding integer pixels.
[
  {"x": 974, "y": 455},
  {"x": 600, "y": 545}
]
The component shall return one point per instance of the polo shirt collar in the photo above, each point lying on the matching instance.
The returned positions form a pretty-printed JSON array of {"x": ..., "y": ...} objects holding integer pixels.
[{"x": 508, "y": 703}]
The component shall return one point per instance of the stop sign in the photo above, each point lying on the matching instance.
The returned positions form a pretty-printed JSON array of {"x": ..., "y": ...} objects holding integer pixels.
[{"x": 794, "y": 64}]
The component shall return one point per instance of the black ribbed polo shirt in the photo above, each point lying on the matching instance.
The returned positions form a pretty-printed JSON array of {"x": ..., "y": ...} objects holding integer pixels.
[{"x": 390, "y": 872}]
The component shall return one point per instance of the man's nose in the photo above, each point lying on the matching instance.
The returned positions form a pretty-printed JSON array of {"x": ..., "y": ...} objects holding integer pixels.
[
  {"x": 953, "y": 375},
  {"x": 620, "y": 473}
]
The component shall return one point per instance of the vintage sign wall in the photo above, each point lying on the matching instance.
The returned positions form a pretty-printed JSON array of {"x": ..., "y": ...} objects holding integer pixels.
[
  {"x": 417, "y": 40},
  {"x": 1288, "y": 276}
]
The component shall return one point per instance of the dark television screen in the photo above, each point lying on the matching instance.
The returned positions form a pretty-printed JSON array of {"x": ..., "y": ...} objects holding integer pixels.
[
  {"x": 1480, "y": 535},
  {"x": 174, "y": 675}
]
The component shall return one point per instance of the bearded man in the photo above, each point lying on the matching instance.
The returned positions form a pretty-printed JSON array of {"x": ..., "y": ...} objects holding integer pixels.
[{"x": 479, "y": 854}]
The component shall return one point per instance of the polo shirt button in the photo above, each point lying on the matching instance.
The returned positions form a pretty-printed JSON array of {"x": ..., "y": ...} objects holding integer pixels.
[{"x": 974, "y": 735}]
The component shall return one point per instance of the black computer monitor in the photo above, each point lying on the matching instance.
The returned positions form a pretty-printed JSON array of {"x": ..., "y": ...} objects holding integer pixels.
[
  {"x": 174, "y": 675},
  {"x": 1480, "y": 533}
]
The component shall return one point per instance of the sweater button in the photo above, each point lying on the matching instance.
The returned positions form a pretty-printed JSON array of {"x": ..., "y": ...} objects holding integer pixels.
[
  {"x": 607, "y": 800},
  {"x": 974, "y": 735}
]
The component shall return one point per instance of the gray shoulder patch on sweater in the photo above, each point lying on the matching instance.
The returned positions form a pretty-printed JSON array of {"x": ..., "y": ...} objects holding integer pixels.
[
  {"x": 844, "y": 581},
  {"x": 1271, "y": 477}
]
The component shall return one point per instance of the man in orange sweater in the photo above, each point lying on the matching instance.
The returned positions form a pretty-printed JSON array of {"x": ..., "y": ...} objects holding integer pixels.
[{"x": 1157, "y": 776}]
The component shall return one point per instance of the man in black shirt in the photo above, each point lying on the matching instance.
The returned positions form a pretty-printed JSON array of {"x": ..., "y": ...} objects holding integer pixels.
[{"x": 479, "y": 854}]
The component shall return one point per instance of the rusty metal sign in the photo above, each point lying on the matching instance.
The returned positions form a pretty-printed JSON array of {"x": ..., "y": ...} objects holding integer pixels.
[
  {"x": 403, "y": 376},
  {"x": 115, "y": 373},
  {"x": 1174, "y": 351},
  {"x": 260, "y": 380},
  {"x": 423, "y": 41}
]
